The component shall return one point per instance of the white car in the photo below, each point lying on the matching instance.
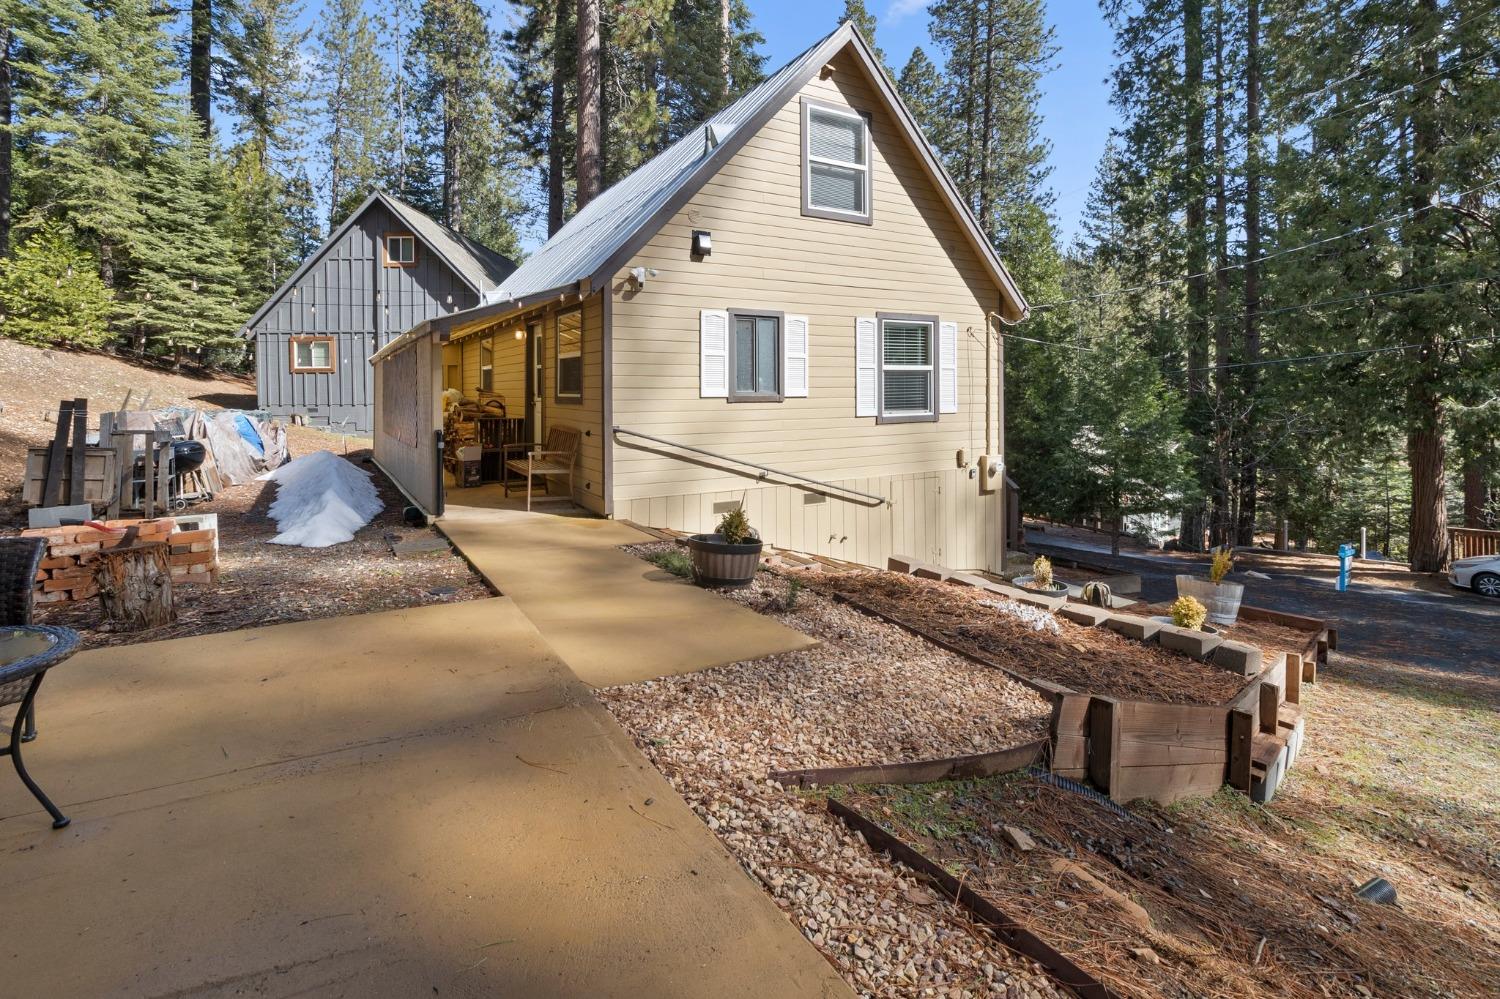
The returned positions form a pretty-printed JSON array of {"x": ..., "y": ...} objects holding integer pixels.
[{"x": 1480, "y": 574}]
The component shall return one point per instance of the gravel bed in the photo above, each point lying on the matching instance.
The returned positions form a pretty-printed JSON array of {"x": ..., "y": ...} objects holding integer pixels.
[{"x": 868, "y": 693}]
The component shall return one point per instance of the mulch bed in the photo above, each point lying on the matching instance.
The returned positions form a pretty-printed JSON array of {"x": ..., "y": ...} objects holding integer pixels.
[
  {"x": 1230, "y": 906},
  {"x": 1088, "y": 660}
]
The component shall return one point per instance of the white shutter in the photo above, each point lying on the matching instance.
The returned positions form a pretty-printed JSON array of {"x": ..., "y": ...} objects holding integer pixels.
[
  {"x": 948, "y": 367},
  {"x": 713, "y": 353},
  {"x": 794, "y": 344},
  {"x": 864, "y": 366}
]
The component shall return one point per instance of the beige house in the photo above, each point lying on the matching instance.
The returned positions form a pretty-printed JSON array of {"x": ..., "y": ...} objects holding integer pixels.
[{"x": 789, "y": 310}]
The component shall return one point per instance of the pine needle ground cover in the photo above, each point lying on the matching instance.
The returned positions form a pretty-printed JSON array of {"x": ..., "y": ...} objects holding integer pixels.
[
  {"x": 1088, "y": 660},
  {"x": 1219, "y": 897}
]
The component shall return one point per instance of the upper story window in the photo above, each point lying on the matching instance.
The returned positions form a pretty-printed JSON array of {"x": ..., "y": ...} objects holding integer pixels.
[
  {"x": 570, "y": 356},
  {"x": 400, "y": 249},
  {"x": 835, "y": 162}
]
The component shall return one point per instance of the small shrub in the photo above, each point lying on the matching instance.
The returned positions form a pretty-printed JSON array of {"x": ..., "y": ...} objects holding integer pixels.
[
  {"x": 793, "y": 591},
  {"x": 1188, "y": 612},
  {"x": 673, "y": 560},
  {"x": 1041, "y": 572},
  {"x": 734, "y": 527},
  {"x": 1223, "y": 562}
]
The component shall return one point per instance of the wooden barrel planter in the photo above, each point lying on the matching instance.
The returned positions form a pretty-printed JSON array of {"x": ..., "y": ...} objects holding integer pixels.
[{"x": 717, "y": 563}]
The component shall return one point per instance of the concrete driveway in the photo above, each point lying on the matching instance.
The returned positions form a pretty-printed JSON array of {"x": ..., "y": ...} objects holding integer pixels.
[{"x": 422, "y": 802}]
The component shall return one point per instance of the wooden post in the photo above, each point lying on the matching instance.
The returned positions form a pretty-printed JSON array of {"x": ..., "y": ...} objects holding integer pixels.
[
  {"x": 80, "y": 451},
  {"x": 1270, "y": 703},
  {"x": 135, "y": 586},
  {"x": 1104, "y": 745},
  {"x": 1241, "y": 732},
  {"x": 56, "y": 455},
  {"x": 1293, "y": 680}
]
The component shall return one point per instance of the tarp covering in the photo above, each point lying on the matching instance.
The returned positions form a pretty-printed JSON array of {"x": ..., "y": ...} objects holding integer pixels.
[{"x": 243, "y": 447}]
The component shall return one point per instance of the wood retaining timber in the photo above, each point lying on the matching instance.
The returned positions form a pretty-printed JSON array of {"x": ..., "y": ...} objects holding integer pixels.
[{"x": 921, "y": 771}]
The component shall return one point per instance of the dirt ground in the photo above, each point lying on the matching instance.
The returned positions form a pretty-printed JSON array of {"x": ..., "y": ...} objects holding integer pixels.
[
  {"x": 1397, "y": 779},
  {"x": 1090, "y": 660},
  {"x": 259, "y": 583}
]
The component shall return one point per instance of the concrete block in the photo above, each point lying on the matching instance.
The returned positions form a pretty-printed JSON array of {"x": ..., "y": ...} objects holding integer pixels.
[
  {"x": 903, "y": 563},
  {"x": 936, "y": 572},
  {"x": 1038, "y": 600},
  {"x": 967, "y": 579},
  {"x": 1237, "y": 657},
  {"x": 1197, "y": 644},
  {"x": 1084, "y": 614},
  {"x": 1142, "y": 629}
]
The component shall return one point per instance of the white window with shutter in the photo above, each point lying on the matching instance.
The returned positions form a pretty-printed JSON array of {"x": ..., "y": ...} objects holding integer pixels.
[
  {"x": 795, "y": 338},
  {"x": 866, "y": 371},
  {"x": 948, "y": 367},
  {"x": 713, "y": 353}
]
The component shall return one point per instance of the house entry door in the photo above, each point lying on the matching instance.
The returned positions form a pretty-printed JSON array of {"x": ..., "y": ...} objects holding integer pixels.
[{"x": 535, "y": 396}]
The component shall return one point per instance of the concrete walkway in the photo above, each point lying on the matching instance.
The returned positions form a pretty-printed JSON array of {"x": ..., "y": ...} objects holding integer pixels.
[
  {"x": 607, "y": 613},
  {"x": 414, "y": 803}
]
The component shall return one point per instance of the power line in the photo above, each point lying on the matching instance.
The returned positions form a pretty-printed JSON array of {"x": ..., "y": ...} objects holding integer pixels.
[
  {"x": 1370, "y": 296},
  {"x": 1339, "y": 353},
  {"x": 1378, "y": 223},
  {"x": 1046, "y": 343}
]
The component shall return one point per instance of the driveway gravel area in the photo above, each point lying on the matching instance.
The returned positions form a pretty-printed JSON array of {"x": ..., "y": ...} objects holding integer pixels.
[{"x": 868, "y": 693}]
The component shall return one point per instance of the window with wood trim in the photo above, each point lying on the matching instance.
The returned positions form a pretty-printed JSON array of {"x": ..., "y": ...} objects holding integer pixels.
[
  {"x": 487, "y": 364},
  {"x": 907, "y": 358},
  {"x": 835, "y": 162},
  {"x": 569, "y": 340},
  {"x": 400, "y": 249},
  {"x": 312, "y": 354},
  {"x": 755, "y": 366}
]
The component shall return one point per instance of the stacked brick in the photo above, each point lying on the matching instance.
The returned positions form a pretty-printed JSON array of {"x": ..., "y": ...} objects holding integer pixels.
[{"x": 66, "y": 571}]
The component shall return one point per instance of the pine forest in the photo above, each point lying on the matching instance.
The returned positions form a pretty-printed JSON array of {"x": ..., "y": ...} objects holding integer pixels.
[{"x": 1277, "y": 320}]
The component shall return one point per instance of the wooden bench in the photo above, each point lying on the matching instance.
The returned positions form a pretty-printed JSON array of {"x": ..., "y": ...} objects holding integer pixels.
[{"x": 559, "y": 456}]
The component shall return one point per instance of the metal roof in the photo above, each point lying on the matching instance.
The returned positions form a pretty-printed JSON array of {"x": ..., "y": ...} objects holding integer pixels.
[
  {"x": 621, "y": 218},
  {"x": 481, "y": 268}
]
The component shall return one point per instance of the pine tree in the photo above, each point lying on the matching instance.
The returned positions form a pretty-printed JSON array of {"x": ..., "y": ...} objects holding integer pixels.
[
  {"x": 539, "y": 123},
  {"x": 457, "y": 88},
  {"x": 926, "y": 95},
  {"x": 50, "y": 293},
  {"x": 360, "y": 134},
  {"x": 590, "y": 150},
  {"x": 859, "y": 15}
]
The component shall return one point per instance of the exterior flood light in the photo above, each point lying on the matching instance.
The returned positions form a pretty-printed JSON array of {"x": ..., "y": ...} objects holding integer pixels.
[{"x": 703, "y": 243}]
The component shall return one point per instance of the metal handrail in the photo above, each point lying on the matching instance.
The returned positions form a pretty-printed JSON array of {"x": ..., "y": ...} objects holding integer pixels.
[{"x": 763, "y": 469}]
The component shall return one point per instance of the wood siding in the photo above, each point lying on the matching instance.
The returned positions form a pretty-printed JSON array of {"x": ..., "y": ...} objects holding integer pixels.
[
  {"x": 412, "y": 466},
  {"x": 912, "y": 258},
  {"x": 337, "y": 297}
]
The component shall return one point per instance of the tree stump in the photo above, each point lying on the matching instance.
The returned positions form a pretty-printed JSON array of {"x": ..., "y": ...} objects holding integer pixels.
[{"x": 135, "y": 586}]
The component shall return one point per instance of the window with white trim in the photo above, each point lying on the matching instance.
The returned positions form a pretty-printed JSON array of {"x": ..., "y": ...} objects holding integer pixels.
[
  {"x": 312, "y": 354},
  {"x": 835, "y": 163},
  {"x": 487, "y": 364},
  {"x": 907, "y": 364}
]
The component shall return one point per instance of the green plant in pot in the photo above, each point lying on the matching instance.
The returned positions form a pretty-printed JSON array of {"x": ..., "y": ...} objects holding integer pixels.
[
  {"x": 729, "y": 556},
  {"x": 1221, "y": 597},
  {"x": 1040, "y": 579}
]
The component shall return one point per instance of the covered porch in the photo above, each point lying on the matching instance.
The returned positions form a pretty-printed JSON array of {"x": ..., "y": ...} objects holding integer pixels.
[{"x": 461, "y": 398}]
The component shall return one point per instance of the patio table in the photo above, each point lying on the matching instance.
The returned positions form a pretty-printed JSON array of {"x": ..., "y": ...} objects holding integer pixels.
[{"x": 27, "y": 652}]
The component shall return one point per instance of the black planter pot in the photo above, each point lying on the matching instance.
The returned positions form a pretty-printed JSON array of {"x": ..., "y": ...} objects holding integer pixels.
[{"x": 717, "y": 563}]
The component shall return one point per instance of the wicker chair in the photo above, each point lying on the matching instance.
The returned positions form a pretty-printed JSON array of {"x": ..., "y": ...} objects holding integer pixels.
[{"x": 19, "y": 560}]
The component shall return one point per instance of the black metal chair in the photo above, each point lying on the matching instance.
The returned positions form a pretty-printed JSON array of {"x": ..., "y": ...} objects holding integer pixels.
[
  {"x": 19, "y": 560},
  {"x": 19, "y": 681}
]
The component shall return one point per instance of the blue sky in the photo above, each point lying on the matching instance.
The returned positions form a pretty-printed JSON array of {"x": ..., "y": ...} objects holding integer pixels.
[{"x": 1075, "y": 102}]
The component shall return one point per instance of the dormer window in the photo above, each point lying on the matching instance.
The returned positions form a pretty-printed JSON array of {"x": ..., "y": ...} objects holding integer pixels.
[
  {"x": 400, "y": 249},
  {"x": 835, "y": 162}
]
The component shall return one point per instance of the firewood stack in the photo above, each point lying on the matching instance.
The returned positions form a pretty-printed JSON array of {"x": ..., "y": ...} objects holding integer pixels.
[{"x": 67, "y": 571}]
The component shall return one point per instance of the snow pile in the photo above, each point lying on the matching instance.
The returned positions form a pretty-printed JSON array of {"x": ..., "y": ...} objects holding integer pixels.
[
  {"x": 1032, "y": 617},
  {"x": 321, "y": 500}
]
